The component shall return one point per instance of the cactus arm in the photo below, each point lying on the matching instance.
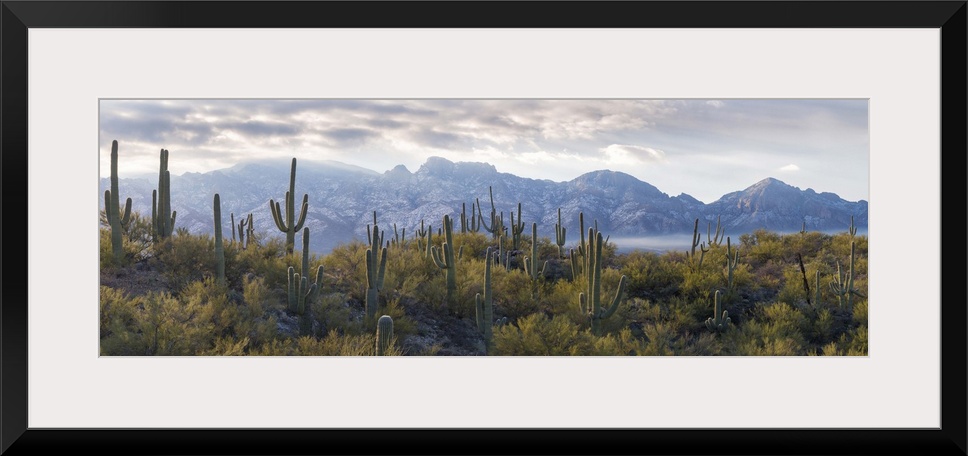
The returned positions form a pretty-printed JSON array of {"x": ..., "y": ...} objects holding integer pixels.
[
  {"x": 303, "y": 211},
  {"x": 277, "y": 215},
  {"x": 619, "y": 296}
]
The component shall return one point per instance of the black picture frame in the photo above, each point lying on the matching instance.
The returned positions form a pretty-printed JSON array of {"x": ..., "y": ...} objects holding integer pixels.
[{"x": 17, "y": 17}]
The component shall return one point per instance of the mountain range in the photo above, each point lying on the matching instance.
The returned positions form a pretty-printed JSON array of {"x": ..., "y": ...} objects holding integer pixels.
[{"x": 342, "y": 199}]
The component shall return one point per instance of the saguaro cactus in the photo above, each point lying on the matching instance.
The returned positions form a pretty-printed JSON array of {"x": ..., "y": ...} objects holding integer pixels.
[
  {"x": 162, "y": 217},
  {"x": 531, "y": 263},
  {"x": 301, "y": 292},
  {"x": 470, "y": 224},
  {"x": 375, "y": 270},
  {"x": 496, "y": 227},
  {"x": 249, "y": 231},
  {"x": 695, "y": 240},
  {"x": 578, "y": 254},
  {"x": 560, "y": 236},
  {"x": 384, "y": 334},
  {"x": 720, "y": 319},
  {"x": 219, "y": 248},
  {"x": 424, "y": 238},
  {"x": 485, "y": 305},
  {"x": 243, "y": 222},
  {"x": 816, "y": 287},
  {"x": 444, "y": 257},
  {"x": 117, "y": 219},
  {"x": 517, "y": 228},
  {"x": 731, "y": 261},
  {"x": 714, "y": 241},
  {"x": 843, "y": 286},
  {"x": 590, "y": 301},
  {"x": 289, "y": 225}
]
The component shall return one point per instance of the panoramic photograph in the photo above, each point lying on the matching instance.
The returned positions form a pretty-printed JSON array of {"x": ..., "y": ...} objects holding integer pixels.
[{"x": 483, "y": 227}]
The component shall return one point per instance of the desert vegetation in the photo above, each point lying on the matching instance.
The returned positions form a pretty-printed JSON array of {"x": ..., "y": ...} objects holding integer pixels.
[{"x": 470, "y": 288}]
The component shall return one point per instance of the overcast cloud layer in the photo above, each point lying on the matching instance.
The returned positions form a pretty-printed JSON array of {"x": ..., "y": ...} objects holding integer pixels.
[{"x": 705, "y": 148}]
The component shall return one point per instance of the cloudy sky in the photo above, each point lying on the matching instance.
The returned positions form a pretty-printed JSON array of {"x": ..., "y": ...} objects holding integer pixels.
[{"x": 705, "y": 148}]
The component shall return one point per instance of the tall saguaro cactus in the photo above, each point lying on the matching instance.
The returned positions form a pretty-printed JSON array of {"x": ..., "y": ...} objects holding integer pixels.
[
  {"x": 219, "y": 248},
  {"x": 112, "y": 208},
  {"x": 375, "y": 270},
  {"x": 485, "y": 305},
  {"x": 590, "y": 301},
  {"x": 444, "y": 257},
  {"x": 287, "y": 222},
  {"x": 384, "y": 335},
  {"x": 162, "y": 217}
]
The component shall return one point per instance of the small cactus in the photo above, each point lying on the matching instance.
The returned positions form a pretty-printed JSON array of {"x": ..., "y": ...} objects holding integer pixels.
[
  {"x": 720, "y": 319},
  {"x": 384, "y": 335}
]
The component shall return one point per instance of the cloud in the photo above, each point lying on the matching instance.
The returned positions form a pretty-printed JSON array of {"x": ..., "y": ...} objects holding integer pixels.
[
  {"x": 790, "y": 168},
  {"x": 716, "y": 103},
  {"x": 625, "y": 154}
]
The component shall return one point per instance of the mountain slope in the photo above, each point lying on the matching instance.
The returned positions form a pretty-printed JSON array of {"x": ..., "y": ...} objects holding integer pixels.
[{"x": 342, "y": 199}]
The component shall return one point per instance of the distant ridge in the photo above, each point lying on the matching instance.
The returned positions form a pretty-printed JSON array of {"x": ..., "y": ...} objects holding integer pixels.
[{"x": 342, "y": 199}]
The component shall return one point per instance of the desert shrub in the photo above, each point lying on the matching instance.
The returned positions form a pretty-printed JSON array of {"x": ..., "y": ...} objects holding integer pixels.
[
  {"x": 471, "y": 245},
  {"x": 513, "y": 293},
  {"x": 792, "y": 286},
  {"x": 334, "y": 311},
  {"x": 649, "y": 274},
  {"x": 539, "y": 335},
  {"x": 622, "y": 343},
  {"x": 859, "y": 315},
  {"x": 186, "y": 258},
  {"x": 346, "y": 264},
  {"x": 333, "y": 344},
  {"x": 775, "y": 330},
  {"x": 155, "y": 324},
  {"x": 659, "y": 339},
  {"x": 266, "y": 259}
]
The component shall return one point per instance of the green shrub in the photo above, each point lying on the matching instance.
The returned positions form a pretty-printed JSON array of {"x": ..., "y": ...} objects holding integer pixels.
[{"x": 539, "y": 335}]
